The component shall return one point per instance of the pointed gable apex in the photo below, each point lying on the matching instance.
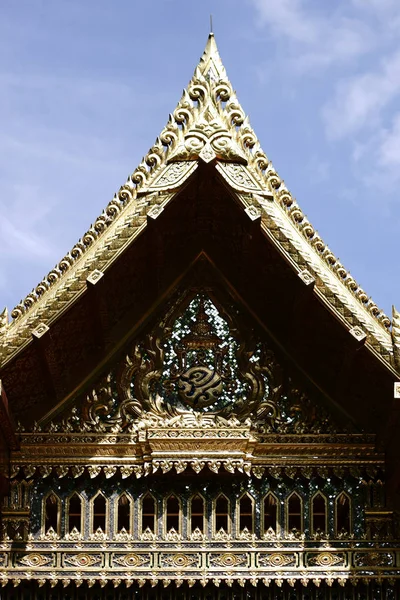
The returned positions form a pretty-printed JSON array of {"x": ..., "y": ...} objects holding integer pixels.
[
  {"x": 210, "y": 64},
  {"x": 208, "y": 125}
]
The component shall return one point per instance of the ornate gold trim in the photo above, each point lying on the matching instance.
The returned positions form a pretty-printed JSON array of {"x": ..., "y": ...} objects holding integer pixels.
[{"x": 209, "y": 107}]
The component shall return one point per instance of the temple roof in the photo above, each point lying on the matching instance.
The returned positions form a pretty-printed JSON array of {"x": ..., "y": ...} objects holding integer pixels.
[{"x": 208, "y": 126}]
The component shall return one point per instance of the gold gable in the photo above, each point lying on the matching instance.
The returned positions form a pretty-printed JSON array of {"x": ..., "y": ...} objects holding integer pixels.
[
  {"x": 209, "y": 125},
  {"x": 204, "y": 395}
]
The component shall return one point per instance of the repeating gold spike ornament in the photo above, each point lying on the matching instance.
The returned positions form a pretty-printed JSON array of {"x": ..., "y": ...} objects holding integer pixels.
[{"x": 396, "y": 336}]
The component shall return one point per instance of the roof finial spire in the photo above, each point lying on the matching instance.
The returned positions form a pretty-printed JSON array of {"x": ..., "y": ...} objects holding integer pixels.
[{"x": 211, "y": 26}]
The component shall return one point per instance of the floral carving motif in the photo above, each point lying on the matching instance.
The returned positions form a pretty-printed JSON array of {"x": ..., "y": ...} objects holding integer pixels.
[
  {"x": 239, "y": 176},
  {"x": 179, "y": 561},
  {"x": 208, "y": 112},
  {"x": 83, "y": 560},
  {"x": 36, "y": 560},
  {"x": 173, "y": 536},
  {"x": 374, "y": 559},
  {"x": 189, "y": 379},
  {"x": 173, "y": 175},
  {"x": 200, "y": 384},
  {"x": 229, "y": 560},
  {"x": 326, "y": 559},
  {"x": 132, "y": 560},
  {"x": 276, "y": 559}
]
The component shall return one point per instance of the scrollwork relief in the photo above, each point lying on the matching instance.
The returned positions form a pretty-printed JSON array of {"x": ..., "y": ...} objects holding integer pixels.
[{"x": 199, "y": 373}]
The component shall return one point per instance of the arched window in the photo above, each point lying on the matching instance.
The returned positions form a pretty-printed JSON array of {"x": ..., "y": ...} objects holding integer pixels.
[
  {"x": 124, "y": 514},
  {"x": 343, "y": 508},
  {"x": 74, "y": 513},
  {"x": 99, "y": 513},
  {"x": 318, "y": 511},
  {"x": 270, "y": 511},
  {"x": 246, "y": 517},
  {"x": 197, "y": 514},
  {"x": 222, "y": 520},
  {"x": 52, "y": 513},
  {"x": 148, "y": 513},
  {"x": 294, "y": 513},
  {"x": 173, "y": 514}
]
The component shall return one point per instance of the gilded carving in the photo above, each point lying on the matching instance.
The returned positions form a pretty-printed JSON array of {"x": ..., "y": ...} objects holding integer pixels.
[
  {"x": 207, "y": 114},
  {"x": 180, "y": 560},
  {"x": 373, "y": 559},
  {"x": 173, "y": 176},
  {"x": 132, "y": 560},
  {"x": 74, "y": 535},
  {"x": 326, "y": 559},
  {"x": 196, "y": 392},
  {"x": 36, "y": 560},
  {"x": 50, "y": 535},
  {"x": 229, "y": 560},
  {"x": 396, "y": 337},
  {"x": 83, "y": 560},
  {"x": 147, "y": 397},
  {"x": 276, "y": 559}
]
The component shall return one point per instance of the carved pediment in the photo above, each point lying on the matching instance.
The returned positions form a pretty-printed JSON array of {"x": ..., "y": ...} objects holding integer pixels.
[
  {"x": 200, "y": 388},
  {"x": 199, "y": 374}
]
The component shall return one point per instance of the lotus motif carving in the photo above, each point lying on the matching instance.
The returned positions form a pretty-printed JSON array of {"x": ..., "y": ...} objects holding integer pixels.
[
  {"x": 82, "y": 560},
  {"x": 374, "y": 559},
  {"x": 277, "y": 559},
  {"x": 132, "y": 560},
  {"x": 36, "y": 560},
  {"x": 326, "y": 559},
  {"x": 180, "y": 561},
  {"x": 229, "y": 560}
]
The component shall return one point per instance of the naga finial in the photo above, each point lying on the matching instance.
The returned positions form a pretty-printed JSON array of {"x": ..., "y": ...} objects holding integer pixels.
[
  {"x": 396, "y": 336},
  {"x": 3, "y": 320}
]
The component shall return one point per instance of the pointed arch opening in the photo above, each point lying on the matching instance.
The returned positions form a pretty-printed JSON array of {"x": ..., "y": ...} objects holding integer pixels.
[
  {"x": 246, "y": 514},
  {"x": 52, "y": 513},
  {"x": 149, "y": 513},
  {"x": 221, "y": 514},
  {"x": 74, "y": 514},
  {"x": 124, "y": 506},
  {"x": 99, "y": 513},
  {"x": 294, "y": 513},
  {"x": 197, "y": 514},
  {"x": 343, "y": 514},
  {"x": 270, "y": 513},
  {"x": 319, "y": 514},
  {"x": 173, "y": 514}
]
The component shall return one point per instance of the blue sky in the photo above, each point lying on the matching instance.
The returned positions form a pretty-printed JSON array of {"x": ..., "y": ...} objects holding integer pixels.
[{"x": 87, "y": 85}]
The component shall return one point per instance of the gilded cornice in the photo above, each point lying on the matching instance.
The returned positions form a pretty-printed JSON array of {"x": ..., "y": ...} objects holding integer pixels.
[
  {"x": 208, "y": 124},
  {"x": 309, "y": 564}
]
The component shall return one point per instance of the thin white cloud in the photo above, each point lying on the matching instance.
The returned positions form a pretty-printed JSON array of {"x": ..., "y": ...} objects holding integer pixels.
[
  {"x": 359, "y": 101},
  {"x": 23, "y": 213},
  {"x": 389, "y": 149},
  {"x": 287, "y": 17},
  {"x": 316, "y": 40}
]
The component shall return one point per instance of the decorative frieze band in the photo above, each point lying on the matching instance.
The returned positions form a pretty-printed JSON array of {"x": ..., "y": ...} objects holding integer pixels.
[{"x": 53, "y": 564}]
